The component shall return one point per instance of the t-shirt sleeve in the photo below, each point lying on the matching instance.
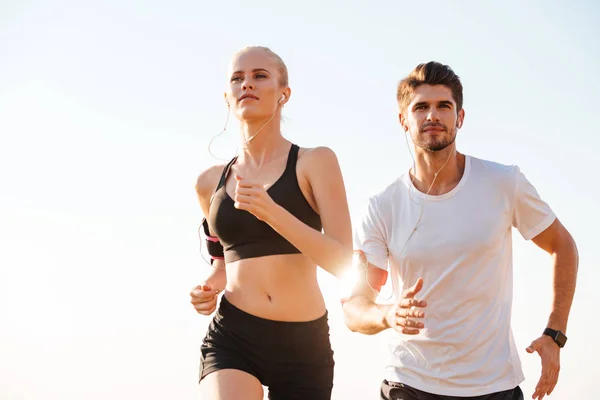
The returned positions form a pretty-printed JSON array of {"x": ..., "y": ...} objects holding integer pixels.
[
  {"x": 370, "y": 235},
  {"x": 531, "y": 215}
]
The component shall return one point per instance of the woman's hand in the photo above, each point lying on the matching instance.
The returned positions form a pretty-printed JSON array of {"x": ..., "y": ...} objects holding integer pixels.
[
  {"x": 204, "y": 299},
  {"x": 252, "y": 197}
]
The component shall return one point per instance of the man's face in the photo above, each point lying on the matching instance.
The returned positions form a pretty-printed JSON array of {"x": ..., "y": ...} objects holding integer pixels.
[{"x": 431, "y": 117}]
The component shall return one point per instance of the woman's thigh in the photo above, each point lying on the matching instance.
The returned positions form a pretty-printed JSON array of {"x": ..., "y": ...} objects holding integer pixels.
[{"x": 230, "y": 384}]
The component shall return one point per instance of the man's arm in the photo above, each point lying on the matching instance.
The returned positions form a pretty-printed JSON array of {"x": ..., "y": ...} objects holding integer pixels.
[
  {"x": 559, "y": 243},
  {"x": 363, "y": 315}
]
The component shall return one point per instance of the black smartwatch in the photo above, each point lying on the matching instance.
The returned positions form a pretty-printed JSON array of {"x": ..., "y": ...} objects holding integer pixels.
[{"x": 559, "y": 338}]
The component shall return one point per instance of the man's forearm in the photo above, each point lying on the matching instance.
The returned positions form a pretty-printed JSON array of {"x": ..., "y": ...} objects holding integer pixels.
[
  {"x": 364, "y": 316},
  {"x": 565, "y": 260}
]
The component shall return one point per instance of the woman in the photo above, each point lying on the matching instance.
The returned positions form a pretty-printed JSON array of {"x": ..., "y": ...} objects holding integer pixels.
[{"x": 273, "y": 214}]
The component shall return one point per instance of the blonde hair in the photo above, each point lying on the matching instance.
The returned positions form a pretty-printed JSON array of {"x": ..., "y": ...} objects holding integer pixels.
[{"x": 281, "y": 68}]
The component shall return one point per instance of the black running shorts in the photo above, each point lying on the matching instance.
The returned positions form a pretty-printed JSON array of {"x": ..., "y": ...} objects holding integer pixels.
[{"x": 293, "y": 359}]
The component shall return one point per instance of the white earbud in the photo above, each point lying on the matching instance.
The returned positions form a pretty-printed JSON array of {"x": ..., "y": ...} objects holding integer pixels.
[{"x": 282, "y": 98}]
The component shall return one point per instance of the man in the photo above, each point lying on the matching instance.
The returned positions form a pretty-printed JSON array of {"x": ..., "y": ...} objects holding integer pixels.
[{"x": 444, "y": 231}]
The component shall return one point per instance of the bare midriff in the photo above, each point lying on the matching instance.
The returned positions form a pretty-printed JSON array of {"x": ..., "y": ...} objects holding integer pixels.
[{"x": 278, "y": 287}]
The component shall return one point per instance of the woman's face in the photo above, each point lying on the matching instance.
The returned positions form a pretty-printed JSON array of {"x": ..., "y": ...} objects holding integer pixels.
[{"x": 254, "y": 90}]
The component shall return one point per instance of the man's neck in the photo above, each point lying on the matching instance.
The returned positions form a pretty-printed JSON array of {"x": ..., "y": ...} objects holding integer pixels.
[{"x": 448, "y": 164}]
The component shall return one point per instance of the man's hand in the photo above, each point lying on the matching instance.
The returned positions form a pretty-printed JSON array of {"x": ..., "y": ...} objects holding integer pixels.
[
  {"x": 399, "y": 316},
  {"x": 550, "y": 354}
]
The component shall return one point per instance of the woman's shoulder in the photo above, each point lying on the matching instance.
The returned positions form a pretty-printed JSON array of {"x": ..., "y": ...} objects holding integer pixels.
[
  {"x": 320, "y": 154},
  {"x": 207, "y": 181},
  {"x": 313, "y": 162}
]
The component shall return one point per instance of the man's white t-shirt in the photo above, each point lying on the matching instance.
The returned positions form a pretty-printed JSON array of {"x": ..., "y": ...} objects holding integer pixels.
[{"x": 462, "y": 247}]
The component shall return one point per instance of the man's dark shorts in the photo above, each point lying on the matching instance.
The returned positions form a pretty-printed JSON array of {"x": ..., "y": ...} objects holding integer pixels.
[{"x": 400, "y": 391}]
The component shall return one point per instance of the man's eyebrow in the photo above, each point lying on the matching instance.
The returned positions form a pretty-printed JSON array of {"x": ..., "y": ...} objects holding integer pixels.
[{"x": 440, "y": 103}]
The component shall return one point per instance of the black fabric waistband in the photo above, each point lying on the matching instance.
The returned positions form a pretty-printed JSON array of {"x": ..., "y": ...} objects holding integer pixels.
[{"x": 233, "y": 316}]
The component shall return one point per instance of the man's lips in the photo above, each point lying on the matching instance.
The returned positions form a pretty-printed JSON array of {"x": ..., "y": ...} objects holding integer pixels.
[{"x": 435, "y": 128}]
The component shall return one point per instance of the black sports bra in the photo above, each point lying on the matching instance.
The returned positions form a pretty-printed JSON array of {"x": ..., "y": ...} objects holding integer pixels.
[{"x": 245, "y": 236}]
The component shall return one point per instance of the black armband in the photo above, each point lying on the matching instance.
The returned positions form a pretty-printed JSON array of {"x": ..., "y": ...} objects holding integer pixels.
[{"x": 214, "y": 246}]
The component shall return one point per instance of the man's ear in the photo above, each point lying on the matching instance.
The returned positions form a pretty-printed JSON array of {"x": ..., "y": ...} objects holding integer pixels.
[
  {"x": 402, "y": 121},
  {"x": 461, "y": 118}
]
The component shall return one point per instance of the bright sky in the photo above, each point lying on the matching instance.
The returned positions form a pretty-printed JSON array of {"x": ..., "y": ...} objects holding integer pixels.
[{"x": 106, "y": 111}]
